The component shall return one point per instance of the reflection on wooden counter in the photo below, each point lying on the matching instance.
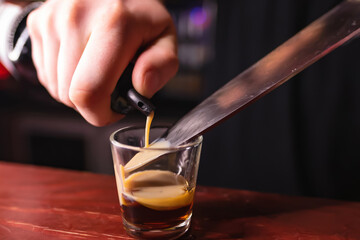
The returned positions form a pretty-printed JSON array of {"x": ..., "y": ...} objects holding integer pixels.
[{"x": 46, "y": 203}]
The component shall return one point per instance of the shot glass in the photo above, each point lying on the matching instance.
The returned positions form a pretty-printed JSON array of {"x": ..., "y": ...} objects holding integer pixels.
[{"x": 156, "y": 185}]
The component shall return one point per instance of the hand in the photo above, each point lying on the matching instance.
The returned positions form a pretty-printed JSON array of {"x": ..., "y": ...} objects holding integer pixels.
[{"x": 81, "y": 47}]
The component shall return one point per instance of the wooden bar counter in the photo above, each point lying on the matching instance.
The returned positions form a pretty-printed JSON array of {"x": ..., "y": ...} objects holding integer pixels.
[{"x": 46, "y": 203}]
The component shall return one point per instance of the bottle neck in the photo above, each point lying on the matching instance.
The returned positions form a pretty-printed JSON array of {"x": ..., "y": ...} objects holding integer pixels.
[{"x": 8, "y": 16}]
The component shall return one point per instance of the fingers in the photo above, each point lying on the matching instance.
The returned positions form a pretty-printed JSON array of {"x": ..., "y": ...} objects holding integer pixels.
[
  {"x": 69, "y": 54},
  {"x": 105, "y": 57},
  {"x": 45, "y": 48},
  {"x": 156, "y": 65},
  {"x": 71, "y": 49},
  {"x": 50, "y": 56},
  {"x": 80, "y": 49}
]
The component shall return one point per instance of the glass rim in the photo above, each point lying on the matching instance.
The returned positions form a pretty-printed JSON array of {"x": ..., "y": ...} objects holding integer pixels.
[{"x": 193, "y": 142}]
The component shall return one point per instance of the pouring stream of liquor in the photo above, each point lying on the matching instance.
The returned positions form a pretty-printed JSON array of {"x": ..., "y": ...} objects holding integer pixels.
[{"x": 149, "y": 152}]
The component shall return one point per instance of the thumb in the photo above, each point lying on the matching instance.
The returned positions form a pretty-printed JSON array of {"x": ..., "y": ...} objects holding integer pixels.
[{"x": 156, "y": 65}]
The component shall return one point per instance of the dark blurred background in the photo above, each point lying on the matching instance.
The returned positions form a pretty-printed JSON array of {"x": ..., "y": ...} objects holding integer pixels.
[{"x": 301, "y": 139}]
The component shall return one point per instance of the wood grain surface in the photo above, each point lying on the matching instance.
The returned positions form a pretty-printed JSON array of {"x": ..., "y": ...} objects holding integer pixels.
[{"x": 47, "y": 203}]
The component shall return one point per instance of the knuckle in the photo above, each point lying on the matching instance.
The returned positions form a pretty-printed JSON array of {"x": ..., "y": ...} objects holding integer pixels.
[
  {"x": 85, "y": 98},
  {"x": 115, "y": 8},
  {"x": 73, "y": 14},
  {"x": 116, "y": 15},
  {"x": 90, "y": 107},
  {"x": 48, "y": 25},
  {"x": 81, "y": 98},
  {"x": 40, "y": 20}
]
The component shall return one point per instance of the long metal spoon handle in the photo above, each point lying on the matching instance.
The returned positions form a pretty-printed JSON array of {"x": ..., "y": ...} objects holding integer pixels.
[{"x": 315, "y": 41}]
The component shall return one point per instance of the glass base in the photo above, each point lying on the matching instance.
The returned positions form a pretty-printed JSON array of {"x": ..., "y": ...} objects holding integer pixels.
[{"x": 167, "y": 233}]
